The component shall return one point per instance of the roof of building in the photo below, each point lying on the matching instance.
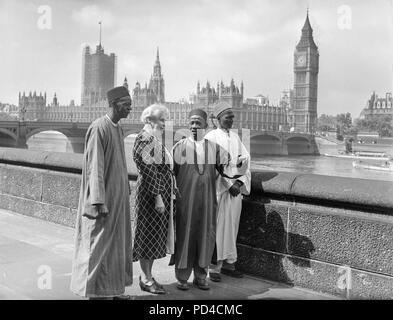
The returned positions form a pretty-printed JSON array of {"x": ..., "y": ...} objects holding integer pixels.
[{"x": 307, "y": 39}]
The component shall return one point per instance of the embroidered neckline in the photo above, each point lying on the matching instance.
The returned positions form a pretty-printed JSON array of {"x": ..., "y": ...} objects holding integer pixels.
[
  {"x": 196, "y": 165},
  {"x": 114, "y": 124}
]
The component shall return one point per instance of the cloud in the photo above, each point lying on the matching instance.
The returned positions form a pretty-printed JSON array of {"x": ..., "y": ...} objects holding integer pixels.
[
  {"x": 89, "y": 16},
  {"x": 249, "y": 40}
]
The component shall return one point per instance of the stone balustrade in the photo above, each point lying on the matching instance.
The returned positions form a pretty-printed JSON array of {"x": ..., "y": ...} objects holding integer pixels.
[{"x": 327, "y": 234}]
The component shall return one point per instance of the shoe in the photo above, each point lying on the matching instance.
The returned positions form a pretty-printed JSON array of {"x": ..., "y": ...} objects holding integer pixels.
[
  {"x": 201, "y": 284},
  {"x": 232, "y": 273},
  {"x": 122, "y": 297},
  {"x": 152, "y": 288},
  {"x": 182, "y": 286},
  {"x": 158, "y": 284},
  {"x": 215, "y": 276}
]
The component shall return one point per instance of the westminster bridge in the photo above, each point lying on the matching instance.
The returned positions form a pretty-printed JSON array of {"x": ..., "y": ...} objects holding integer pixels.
[{"x": 16, "y": 134}]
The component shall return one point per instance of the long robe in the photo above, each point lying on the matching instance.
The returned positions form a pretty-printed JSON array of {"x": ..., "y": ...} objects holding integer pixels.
[
  {"x": 229, "y": 208},
  {"x": 102, "y": 263},
  {"x": 196, "y": 206}
]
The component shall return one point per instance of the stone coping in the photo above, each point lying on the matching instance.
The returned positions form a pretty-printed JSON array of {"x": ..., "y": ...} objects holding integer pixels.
[
  {"x": 369, "y": 195},
  {"x": 353, "y": 193}
]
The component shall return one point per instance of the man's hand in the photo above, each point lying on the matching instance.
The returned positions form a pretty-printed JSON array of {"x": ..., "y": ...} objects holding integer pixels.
[
  {"x": 240, "y": 160},
  {"x": 102, "y": 210},
  {"x": 159, "y": 205},
  {"x": 234, "y": 191}
]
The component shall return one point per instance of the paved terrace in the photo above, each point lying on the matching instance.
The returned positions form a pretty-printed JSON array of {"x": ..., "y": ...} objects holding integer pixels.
[
  {"x": 332, "y": 235},
  {"x": 26, "y": 243}
]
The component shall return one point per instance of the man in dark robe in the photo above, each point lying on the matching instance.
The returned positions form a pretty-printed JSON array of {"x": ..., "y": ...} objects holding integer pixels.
[
  {"x": 102, "y": 263},
  {"x": 197, "y": 161}
]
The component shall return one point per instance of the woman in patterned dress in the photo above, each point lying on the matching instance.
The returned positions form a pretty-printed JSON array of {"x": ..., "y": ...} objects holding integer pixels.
[{"x": 153, "y": 205}]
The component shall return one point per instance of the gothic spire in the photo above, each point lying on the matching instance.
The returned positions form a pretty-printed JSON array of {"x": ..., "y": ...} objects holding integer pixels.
[
  {"x": 307, "y": 39},
  {"x": 157, "y": 65},
  {"x": 307, "y": 25},
  {"x": 125, "y": 83}
]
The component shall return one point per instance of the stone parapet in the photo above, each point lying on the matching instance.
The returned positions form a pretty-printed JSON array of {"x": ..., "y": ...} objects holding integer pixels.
[{"x": 329, "y": 234}]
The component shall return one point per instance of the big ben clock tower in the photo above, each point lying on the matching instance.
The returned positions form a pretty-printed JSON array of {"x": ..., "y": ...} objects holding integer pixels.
[{"x": 306, "y": 66}]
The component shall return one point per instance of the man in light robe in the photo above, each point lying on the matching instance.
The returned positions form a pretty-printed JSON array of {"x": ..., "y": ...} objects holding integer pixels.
[
  {"x": 102, "y": 263},
  {"x": 197, "y": 161},
  {"x": 229, "y": 192}
]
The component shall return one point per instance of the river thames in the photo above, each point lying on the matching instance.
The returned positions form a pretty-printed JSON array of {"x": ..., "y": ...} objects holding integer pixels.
[{"x": 57, "y": 142}]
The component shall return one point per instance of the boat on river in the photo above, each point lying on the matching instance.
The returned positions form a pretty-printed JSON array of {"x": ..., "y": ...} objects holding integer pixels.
[
  {"x": 363, "y": 155},
  {"x": 388, "y": 166}
]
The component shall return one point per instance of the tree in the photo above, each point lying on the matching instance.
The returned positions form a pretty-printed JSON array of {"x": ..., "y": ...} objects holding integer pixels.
[
  {"x": 326, "y": 122},
  {"x": 344, "y": 125},
  {"x": 344, "y": 121},
  {"x": 382, "y": 125}
]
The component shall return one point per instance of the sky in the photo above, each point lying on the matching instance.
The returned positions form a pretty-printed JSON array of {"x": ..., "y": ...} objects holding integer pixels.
[{"x": 251, "y": 41}]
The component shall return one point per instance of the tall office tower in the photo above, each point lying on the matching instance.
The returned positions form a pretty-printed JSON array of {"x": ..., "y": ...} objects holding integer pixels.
[
  {"x": 98, "y": 74},
  {"x": 306, "y": 67}
]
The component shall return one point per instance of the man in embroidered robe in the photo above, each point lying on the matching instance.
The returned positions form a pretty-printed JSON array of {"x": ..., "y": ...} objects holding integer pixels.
[
  {"x": 196, "y": 162},
  {"x": 229, "y": 192},
  {"x": 102, "y": 263}
]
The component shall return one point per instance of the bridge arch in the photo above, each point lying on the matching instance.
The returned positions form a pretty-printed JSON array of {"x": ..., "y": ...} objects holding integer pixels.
[
  {"x": 298, "y": 145},
  {"x": 8, "y": 138},
  {"x": 61, "y": 143},
  {"x": 266, "y": 144},
  {"x": 39, "y": 130},
  {"x": 8, "y": 133}
]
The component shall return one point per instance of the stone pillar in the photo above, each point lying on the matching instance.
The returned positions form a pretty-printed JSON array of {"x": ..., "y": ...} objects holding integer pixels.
[
  {"x": 314, "y": 146},
  {"x": 78, "y": 144},
  {"x": 21, "y": 141},
  {"x": 284, "y": 145}
]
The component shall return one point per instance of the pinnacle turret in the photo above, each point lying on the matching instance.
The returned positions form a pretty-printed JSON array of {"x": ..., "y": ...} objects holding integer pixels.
[
  {"x": 307, "y": 39},
  {"x": 125, "y": 83}
]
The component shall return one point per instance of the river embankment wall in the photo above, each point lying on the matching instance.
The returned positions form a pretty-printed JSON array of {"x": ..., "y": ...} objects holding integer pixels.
[{"x": 329, "y": 234}]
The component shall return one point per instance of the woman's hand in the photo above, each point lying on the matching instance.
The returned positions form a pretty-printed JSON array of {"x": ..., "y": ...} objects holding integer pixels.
[{"x": 159, "y": 206}]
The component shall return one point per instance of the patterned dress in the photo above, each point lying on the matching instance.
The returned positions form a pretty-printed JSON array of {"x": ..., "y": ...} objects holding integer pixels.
[{"x": 155, "y": 177}]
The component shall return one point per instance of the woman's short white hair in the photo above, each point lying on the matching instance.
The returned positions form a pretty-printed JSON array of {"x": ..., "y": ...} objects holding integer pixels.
[{"x": 154, "y": 111}]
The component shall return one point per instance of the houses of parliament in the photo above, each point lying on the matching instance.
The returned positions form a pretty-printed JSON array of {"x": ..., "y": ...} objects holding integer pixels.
[{"x": 297, "y": 109}]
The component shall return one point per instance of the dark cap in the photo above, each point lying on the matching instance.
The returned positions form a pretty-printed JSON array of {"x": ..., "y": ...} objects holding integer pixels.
[
  {"x": 116, "y": 93},
  {"x": 198, "y": 112}
]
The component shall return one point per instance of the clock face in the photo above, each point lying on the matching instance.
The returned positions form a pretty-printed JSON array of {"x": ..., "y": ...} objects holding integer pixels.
[{"x": 301, "y": 61}]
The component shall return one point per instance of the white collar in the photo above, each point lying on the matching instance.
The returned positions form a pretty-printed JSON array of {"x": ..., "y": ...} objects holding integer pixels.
[
  {"x": 227, "y": 132},
  {"x": 114, "y": 124}
]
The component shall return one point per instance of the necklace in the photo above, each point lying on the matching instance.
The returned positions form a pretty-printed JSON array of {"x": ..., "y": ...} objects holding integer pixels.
[{"x": 196, "y": 164}]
